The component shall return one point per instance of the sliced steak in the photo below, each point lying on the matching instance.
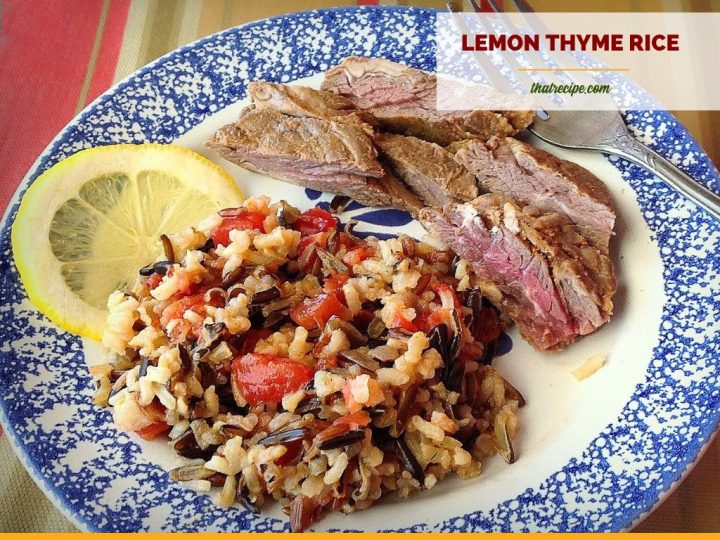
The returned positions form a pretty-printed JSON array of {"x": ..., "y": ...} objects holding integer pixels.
[
  {"x": 537, "y": 261},
  {"x": 300, "y": 101},
  {"x": 428, "y": 169},
  {"x": 326, "y": 153},
  {"x": 395, "y": 194},
  {"x": 585, "y": 274},
  {"x": 318, "y": 153},
  {"x": 376, "y": 82},
  {"x": 441, "y": 127},
  {"x": 537, "y": 178},
  {"x": 401, "y": 99}
]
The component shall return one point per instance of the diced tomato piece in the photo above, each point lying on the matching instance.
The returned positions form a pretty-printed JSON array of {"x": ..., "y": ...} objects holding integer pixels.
[
  {"x": 354, "y": 420},
  {"x": 241, "y": 222},
  {"x": 356, "y": 256},
  {"x": 428, "y": 321},
  {"x": 304, "y": 243},
  {"x": 335, "y": 282},
  {"x": 398, "y": 321},
  {"x": 156, "y": 413},
  {"x": 319, "y": 239},
  {"x": 252, "y": 337},
  {"x": 347, "y": 241},
  {"x": 153, "y": 431},
  {"x": 314, "y": 221},
  {"x": 445, "y": 290},
  {"x": 265, "y": 378},
  {"x": 195, "y": 302},
  {"x": 315, "y": 311}
]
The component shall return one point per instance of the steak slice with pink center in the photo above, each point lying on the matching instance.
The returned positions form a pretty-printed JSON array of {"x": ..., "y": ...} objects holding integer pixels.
[
  {"x": 534, "y": 261},
  {"x": 403, "y": 100}
]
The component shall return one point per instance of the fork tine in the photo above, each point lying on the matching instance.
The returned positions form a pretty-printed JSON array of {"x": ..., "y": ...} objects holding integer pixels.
[
  {"x": 533, "y": 57},
  {"x": 523, "y": 77},
  {"x": 495, "y": 78},
  {"x": 536, "y": 25}
]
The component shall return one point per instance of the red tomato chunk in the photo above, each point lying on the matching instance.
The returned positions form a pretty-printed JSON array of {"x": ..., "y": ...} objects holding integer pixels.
[
  {"x": 314, "y": 221},
  {"x": 335, "y": 282},
  {"x": 265, "y": 378},
  {"x": 153, "y": 431},
  {"x": 241, "y": 222},
  {"x": 156, "y": 413},
  {"x": 314, "y": 312},
  {"x": 176, "y": 309}
]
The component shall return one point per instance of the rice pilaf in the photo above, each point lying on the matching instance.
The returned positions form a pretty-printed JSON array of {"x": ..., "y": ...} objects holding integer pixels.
[{"x": 291, "y": 360}]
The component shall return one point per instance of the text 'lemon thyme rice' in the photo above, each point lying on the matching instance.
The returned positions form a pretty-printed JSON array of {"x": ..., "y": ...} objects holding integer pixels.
[{"x": 306, "y": 365}]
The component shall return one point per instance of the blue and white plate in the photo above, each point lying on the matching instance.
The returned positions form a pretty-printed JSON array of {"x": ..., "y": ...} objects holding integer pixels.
[{"x": 595, "y": 455}]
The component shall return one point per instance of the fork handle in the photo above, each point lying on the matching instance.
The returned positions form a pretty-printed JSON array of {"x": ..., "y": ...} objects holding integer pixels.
[{"x": 625, "y": 145}]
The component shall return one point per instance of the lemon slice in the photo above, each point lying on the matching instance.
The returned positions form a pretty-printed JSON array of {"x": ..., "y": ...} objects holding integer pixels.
[{"x": 87, "y": 225}]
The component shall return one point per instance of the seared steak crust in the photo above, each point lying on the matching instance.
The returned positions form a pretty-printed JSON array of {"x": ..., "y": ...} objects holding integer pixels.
[
  {"x": 428, "y": 169},
  {"x": 314, "y": 152},
  {"x": 394, "y": 193},
  {"x": 301, "y": 101},
  {"x": 323, "y": 145}
]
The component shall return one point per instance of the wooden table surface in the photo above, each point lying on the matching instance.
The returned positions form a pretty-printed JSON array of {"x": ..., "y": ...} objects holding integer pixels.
[{"x": 154, "y": 28}]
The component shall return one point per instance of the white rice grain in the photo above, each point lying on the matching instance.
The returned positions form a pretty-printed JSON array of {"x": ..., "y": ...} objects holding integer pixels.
[
  {"x": 589, "y": 367},
  {"x": 335, "y": 472}
]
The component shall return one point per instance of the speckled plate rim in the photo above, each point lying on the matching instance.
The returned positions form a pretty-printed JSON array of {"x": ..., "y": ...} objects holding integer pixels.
[{"x": 701, "y": 168}]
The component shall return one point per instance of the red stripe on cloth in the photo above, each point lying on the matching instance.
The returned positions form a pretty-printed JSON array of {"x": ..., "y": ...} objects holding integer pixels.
[
  {"x": 44, "y": 51},
  {"x": 109, "y": 48},
  {"x": 485, "y": 7}
]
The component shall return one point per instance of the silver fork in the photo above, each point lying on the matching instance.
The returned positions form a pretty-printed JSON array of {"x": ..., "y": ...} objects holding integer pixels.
[{"x": 605, "y": 131}]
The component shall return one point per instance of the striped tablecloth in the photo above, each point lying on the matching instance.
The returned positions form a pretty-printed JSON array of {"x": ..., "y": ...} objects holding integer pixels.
[{"x": 57, "y": 56}]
